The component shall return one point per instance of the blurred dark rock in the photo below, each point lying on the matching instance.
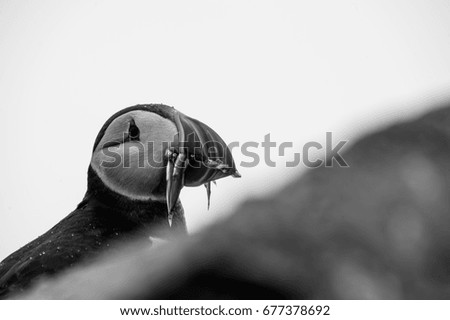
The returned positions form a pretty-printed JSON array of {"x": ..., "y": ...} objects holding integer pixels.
[{"x": 379, "y": 229}]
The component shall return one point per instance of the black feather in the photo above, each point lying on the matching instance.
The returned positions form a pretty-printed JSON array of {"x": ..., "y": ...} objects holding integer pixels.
[{"x": 102, "y": 219}]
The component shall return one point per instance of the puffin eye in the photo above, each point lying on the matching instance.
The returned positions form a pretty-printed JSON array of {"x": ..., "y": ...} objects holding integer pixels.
[{"x": 133, "y": 131}]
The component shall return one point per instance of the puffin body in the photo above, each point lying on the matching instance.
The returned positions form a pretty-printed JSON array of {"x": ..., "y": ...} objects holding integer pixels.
[{"x": 142, "y": 157}]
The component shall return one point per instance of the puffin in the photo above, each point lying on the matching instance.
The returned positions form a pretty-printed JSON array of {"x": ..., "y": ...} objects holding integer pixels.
[{"x": 142, "y": 158}]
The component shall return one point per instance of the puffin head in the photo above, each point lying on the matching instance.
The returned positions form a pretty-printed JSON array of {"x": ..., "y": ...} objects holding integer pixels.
[{"x": 150, "y": 152}]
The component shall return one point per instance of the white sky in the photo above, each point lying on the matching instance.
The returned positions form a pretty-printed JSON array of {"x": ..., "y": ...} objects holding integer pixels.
[{"x": 295, "y": 69}]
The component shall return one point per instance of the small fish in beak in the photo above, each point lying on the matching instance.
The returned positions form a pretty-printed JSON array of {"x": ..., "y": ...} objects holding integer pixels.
[{"x": 198, "y": 157}]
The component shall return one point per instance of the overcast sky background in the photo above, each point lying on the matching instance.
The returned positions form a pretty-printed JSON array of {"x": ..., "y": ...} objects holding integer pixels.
[{"x": 294, "y": 69}]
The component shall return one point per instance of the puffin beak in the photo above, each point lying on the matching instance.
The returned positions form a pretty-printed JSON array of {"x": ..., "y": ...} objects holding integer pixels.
[{"x": 199, "y": 156}]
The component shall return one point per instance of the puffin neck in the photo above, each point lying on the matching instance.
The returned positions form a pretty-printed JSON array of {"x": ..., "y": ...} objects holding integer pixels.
[
  {"x": 143, "y": 215},
  {"x": 106, "y": 197}
]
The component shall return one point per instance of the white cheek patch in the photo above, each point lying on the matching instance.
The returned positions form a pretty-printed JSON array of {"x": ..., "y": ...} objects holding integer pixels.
[{"x": 134, "y": 169}]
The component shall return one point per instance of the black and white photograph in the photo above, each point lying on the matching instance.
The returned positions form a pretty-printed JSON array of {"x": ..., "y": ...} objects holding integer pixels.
[{"x": 295, "y": 152}]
